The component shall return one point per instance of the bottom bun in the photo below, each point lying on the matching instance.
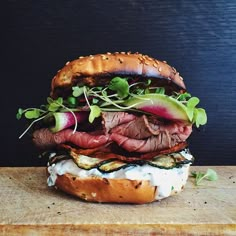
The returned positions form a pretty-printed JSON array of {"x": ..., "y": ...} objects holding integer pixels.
[
  {"x": 119, "y": 187},
  {"x": 96, "y": 189}
]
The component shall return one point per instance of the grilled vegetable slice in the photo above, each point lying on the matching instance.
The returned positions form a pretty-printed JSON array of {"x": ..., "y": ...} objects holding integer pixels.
[
  {"x": 86, "y": 162},
  {"x": 109, "y": 164},
  {"x": 164, "y": 161},
  {"x": 113, "y": 165}
]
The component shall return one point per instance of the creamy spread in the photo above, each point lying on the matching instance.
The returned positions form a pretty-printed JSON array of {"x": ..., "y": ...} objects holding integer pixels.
[{"x": 165, "y": 180}]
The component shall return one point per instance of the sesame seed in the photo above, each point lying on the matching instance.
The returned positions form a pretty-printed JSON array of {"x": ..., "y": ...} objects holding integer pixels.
[
  {"x": 181, "y": 78},
  {"x": 91, "y": 57},
  {"x": 81, "y": 57},
  {"x": 174, "y": 69},
  {"x": 108, "y": 53},
  {"x": 146, "y": 63},
  {"x": 157, "y": 62},
  {"x": 159, "y": 69},
  {"x": 165, "y": 62},
  {"x": 155, "y": 65},
  {"x": 67, "y": 63},
  {"x": 58, "y": 71},
  {"x": 122, "y": 53},
  {"x": 129, "y": 52}
]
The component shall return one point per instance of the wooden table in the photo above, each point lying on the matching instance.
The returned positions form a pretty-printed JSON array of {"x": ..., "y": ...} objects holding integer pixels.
[{"x": 29, "y": 207}]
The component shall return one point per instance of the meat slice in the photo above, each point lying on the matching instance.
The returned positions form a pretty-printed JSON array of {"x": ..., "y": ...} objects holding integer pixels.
[
  {"x": 152, "y": 144},
  {"x": 167, "y": 136},
  {"x": 44, "y": 138},
  {"x": 144, "y": 127},
  {"x": 113, "y": 119},
  {"x": 139, "y": 128}
]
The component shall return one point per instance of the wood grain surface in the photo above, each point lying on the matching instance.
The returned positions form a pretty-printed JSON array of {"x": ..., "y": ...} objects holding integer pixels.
[{"x": 29, "y": 207}]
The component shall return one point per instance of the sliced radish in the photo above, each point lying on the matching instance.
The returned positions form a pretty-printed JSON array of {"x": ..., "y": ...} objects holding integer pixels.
[
  {"x": 160, "y": 105},
  {"x": 64, "y": 120}
]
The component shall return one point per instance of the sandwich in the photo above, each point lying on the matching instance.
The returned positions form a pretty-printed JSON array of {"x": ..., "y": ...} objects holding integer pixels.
[{"x": 115, "y": 128}]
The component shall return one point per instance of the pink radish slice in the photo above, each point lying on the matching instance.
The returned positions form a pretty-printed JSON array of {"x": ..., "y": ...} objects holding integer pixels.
[
  {"x": 160, "y": 105},
  {"x": 64, "y": 120}
]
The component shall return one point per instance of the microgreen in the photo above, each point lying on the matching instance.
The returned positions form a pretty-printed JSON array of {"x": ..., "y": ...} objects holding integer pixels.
[
  {"x": 72, "y": 102},
  {"x": 54, "y": 105},
  {"x": 210, "y": 175},
  {"x": 33, "y": 114},
  {"x": 19, "y": 113},
  {"x": 199, "y": 117},
  {"x": 183, "y": 96},
  {"x": 31, "y": 124},
  {"x": 95, "y": 111},
  {"x": 192, "y": 102},
  {"x": 95, "y": 100},
  {"x": 109, "y": 98},
  {"x": 77, "y": 91},
  {"x": 149, "y": 81},
  {"x": 140, "y": 91},
  {"x": 160, "y": 90},
  {"x": 119, "y": 85},
  {"x": 140, "y": 88},
  {"x": 40, "y": 114},
  {"x": 30, "y": 113},
  {"x": 195, "y": 115}
]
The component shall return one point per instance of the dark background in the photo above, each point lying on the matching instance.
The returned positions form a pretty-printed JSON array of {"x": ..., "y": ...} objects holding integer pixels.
[{"x": 196, "y": 37}]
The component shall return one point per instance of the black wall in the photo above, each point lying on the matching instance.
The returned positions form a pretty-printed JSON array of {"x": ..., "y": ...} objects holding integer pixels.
[{"x": 196, "y": 37}]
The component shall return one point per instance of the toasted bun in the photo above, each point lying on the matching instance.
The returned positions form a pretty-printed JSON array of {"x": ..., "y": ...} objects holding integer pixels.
[
  {"x": 120, "y": 190},
  {"x": 90, "y": 69},
  {"x": 97, "y": 189}
]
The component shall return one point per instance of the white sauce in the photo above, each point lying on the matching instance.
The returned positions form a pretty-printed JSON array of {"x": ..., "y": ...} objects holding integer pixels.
[{"x": 165, "y": 180}]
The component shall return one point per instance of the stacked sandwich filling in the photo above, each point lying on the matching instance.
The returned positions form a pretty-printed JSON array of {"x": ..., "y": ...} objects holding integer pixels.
[
  {"x": 118, "y": 117},
  {"x": 166, "y": 178}
]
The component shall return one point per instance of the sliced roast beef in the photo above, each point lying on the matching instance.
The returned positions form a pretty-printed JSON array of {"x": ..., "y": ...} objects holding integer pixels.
[
  {"x": 138, "y": 128},
  {"x": 44, "y": 138},
  {"x": 167, "y": 136},
  {"x": 144, "y": 127},
  {"x": 113, "y": 119},
  {"x": 152, "y": 144},
  {"x": 130, "y": 132}
]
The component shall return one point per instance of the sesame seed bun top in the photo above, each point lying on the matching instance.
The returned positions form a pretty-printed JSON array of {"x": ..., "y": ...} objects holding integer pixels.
[{"x": 97, "y": 69}]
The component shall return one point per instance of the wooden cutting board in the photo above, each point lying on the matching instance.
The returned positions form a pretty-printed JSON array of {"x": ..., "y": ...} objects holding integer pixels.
[{"x": 29, "y": 207}]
